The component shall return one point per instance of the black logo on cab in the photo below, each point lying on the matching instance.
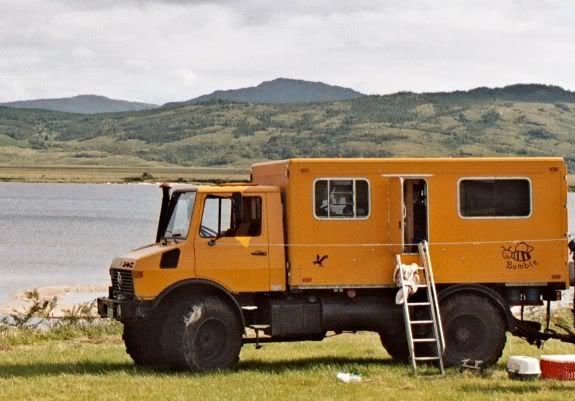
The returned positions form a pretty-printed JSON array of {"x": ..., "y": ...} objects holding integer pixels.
[{"x": 319, "y": 260}]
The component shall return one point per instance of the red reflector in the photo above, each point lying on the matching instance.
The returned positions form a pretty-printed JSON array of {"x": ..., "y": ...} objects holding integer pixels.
[
  {"x": 556, "y": 276},
  {"x": 138, "y": 274},
  {"x": 306, "y": 279}
]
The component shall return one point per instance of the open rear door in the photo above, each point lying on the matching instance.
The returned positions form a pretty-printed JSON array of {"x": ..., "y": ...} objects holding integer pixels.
[{"x": 395, "y": 215}]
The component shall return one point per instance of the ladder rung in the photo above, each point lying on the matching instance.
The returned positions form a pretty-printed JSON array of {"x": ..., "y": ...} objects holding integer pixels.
[
  {"x": 426, "y": 358},
  {"x": 424, "y": 340},
  {"x": 421, "y": 321},
  {"x": 418, "y": 303},
  {"x": 421, "y": 285},
  {"x": 259, "y": 326}
]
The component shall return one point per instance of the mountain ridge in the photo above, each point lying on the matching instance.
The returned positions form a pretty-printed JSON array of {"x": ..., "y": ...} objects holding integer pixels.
[
  {"x": 81, "y": 104},
  {"x": 516, "y": 120},
  {"x": 278, "y": 91}
]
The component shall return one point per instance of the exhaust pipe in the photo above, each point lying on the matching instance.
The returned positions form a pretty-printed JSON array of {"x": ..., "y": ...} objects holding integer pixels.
[{"x": 164, "y": 210}]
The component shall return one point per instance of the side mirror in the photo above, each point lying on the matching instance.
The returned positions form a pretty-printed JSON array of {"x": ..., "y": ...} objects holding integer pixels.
[{"x": 238, "y": 206}]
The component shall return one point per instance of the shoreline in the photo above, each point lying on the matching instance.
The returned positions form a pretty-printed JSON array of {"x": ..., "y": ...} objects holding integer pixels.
[
  {"x": 67, "y": 296},
  {"x": 74, "y": 174}
]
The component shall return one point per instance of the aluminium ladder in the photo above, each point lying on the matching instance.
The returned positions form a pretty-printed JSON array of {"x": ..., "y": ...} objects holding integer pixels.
[{"x": 433, "y": 317}]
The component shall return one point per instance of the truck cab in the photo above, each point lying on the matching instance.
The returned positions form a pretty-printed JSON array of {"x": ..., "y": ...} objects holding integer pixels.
[
  {"x": 224, "y": 240},
  {"x": 206, "y": 228}
]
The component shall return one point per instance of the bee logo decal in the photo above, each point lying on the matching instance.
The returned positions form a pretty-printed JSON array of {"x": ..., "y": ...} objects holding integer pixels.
[{"x": 521, "y": 253}]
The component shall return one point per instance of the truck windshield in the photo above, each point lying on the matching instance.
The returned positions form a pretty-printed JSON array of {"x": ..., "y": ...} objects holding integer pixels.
[{"x": 180, "y": 214}]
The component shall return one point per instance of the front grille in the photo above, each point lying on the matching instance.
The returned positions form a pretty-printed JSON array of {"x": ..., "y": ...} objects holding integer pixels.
[{"x": 122, "y": 283}]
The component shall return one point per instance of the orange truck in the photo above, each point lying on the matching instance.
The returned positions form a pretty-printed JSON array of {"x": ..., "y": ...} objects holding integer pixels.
[{"x": 310, "y": 246}]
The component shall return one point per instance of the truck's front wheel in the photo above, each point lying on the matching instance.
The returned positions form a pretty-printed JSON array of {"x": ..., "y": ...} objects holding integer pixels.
[
  {"x": 142, "y": 340},
  {"x": 213, "y": 336},
  {"x": 201, "y": 333},
  {"x": 473, "y": 328}
]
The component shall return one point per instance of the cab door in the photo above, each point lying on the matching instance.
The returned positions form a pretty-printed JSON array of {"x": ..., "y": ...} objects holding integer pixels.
[{"x": 230, "y": 251}]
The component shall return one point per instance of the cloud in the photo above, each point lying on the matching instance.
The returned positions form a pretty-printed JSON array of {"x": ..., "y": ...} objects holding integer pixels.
[{"x": 166, "y": 50}]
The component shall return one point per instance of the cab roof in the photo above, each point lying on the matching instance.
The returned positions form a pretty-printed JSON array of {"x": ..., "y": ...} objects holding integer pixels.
[{"x": 227, "y": 188}]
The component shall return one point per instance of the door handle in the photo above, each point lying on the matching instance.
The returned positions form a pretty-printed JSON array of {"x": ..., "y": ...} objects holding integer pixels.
[{"x": 259, "y": 253}]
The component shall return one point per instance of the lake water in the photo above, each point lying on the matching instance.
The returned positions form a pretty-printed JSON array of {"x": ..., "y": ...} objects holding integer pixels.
[{"x": 67, "y": 234}]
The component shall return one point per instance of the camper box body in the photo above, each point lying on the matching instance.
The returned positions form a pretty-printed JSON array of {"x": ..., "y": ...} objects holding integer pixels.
[{"x": 521, "y": 244}]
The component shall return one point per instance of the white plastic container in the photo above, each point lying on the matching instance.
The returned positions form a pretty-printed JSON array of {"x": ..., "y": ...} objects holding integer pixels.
[
  {"x": 348, "y": 377},
  {"x": 523, "y": 368}
]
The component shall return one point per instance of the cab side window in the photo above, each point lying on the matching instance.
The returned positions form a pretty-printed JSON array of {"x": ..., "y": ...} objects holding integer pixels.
[{"x": 219, "y": 217}]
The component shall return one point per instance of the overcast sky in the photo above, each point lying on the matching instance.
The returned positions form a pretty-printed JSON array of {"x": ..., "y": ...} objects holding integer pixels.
[{"x": 167, "y": 50}]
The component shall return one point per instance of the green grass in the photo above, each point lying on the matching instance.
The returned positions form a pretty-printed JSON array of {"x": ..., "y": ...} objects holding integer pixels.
[{"x": 90, "y": 367}]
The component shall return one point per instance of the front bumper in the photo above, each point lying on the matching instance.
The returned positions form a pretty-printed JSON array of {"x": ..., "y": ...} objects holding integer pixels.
[{"x": 123, "y": 309}]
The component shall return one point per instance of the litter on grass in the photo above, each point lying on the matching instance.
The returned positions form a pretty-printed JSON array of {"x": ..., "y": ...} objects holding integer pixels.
[
  {"x": 348, "y": 377},
  {"x": 523, "y": 368}
]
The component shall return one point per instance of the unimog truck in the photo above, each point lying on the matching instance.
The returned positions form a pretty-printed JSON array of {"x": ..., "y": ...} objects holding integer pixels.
[{"x": 309, "y": 246}]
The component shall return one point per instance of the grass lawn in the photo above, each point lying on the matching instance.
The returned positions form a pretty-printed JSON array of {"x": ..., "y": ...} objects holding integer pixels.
[{"x": 97, "y": 368}]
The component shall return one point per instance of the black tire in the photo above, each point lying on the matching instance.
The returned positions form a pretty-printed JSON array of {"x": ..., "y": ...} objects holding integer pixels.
[
  {"x": 396, "y": 346},
  {"x": 212, "y": 337},
  {"x": 394, "y": 339},
  {"x": 473, "y": 328},
  {"x": 172, "y": 333},
  {"x": 142, "y": 340}
]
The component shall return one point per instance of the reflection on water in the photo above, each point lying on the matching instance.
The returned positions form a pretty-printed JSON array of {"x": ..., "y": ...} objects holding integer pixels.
[{"x": 67, "y": 234}]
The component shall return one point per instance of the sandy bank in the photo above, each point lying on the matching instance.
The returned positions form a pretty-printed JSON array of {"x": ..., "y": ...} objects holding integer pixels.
[{"x": 67, "y": 296}]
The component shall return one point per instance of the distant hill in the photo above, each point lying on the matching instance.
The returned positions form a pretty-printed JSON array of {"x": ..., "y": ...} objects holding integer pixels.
[
  {"x": 84, "y": 104},
  {"x": 514, "y": 93},
  {"x": 517, "y": 120},
  {"x": 278, "y": 91}
]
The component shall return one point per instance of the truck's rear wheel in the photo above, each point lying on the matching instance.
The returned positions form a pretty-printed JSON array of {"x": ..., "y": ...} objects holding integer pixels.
[
  {"x": 142, "y": 340},
  {"x": 394, "y": 340},
  {"x": 396, "y": 346},
  {"x": 213, "y": 336},
  {"x": 473, "y": 327}
]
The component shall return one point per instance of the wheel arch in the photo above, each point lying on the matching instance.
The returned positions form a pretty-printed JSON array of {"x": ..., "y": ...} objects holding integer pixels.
[
  {"x": 486, "y": 291},
  {"x": 200, "y": 286}
]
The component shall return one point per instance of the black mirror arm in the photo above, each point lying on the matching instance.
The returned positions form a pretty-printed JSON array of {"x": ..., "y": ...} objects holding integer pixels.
[{"x": 212, "y": 242}]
